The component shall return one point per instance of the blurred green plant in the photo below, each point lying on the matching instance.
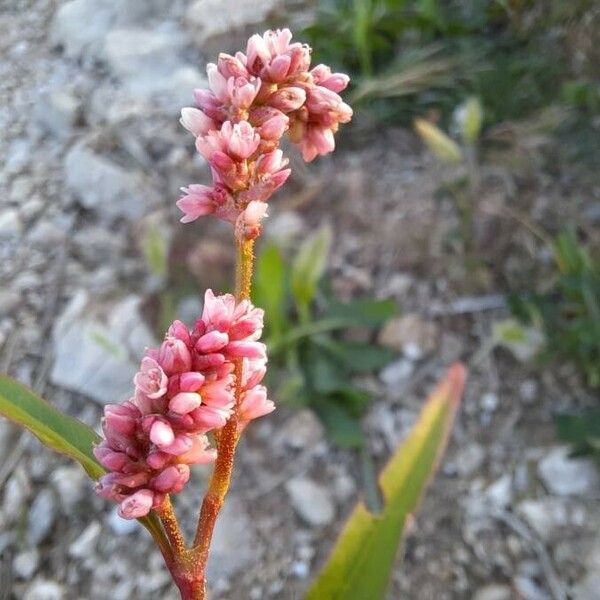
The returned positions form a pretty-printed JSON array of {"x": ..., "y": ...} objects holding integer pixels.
[
  {"x": 582, "y": 432},
  {"x": 405, "y": 56},
  {"x": 464, "y": 189},
  {"x": 312, "y": 360},
  {"x": 569, "y": 310}
]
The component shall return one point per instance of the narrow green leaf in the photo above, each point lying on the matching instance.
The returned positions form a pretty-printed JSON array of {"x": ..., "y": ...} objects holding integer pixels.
[
  {"x": 358, "y": 357},
  {"x": 343, "y": 428},
  {"x": 362, "y": 560},
  {"x": 269, "y": 287},
  {"x": 61, "y": 433},
  {"x": 366, "y": 312},
  {"x": 53, "y": 428},
  {"x": 309, "y": 266}
]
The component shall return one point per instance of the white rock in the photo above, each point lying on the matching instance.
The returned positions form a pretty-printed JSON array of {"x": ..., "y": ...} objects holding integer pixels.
[
  {"x": 26, "y": 563},
  {"x": 10, "y": 224},
  {"x": 568, "y": 476},
  {"x": 85, "y": 544},
  {"x": 303, "y": 430},
  {"x": 99, "y": 358},
  {"x": 132, "y": 50},
  {"x": 121, "y": 526},
  {"x": 469, "y": 459},
  {"x": 41, "y": 517},
  {"x": 411, "y": 334},
  {"x": 70, "y": 484},
  {"x": 545, "y": 516},
  {"x": 500, "y": 493},
  {"x": 529, "y": 590},
  {"x": 107, "y": 188},
  {"x": 493, "y": 592},
  {"x": 212, "y": 18},
  {"x": 234, "y": 546},
  {"x": 397, "y": 372},
  {"x": 43, "y": 589},
  {"x": 311, "y": 501},
  {"x": 16, "y": 491},
  {"x": 58, "y": 112}
]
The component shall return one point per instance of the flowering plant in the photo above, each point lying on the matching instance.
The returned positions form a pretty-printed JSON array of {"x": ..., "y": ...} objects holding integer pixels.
[{"x": 206, "y": 380}]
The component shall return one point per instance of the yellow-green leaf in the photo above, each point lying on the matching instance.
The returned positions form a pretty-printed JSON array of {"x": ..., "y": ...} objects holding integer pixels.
[
  {"x": 470, "y": 117},
  {"x": 361, "y": 562},
  {"x": 61, "y": 433},
  {"x": 53, "y": 428},
  {"x": 444, "y": 148}
]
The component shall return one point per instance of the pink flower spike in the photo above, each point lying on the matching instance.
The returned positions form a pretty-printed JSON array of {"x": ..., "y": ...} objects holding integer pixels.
[
  {"x": 257, "y": 52},
  {"x": 232, "y": 66},
  {"x": 242, "y": 139},
  {"x": 200, "y": 453},
  {"x": 178, "y": 329},
  {"x": 249, "y": 225},
  {"x": 184, "y": 402},
  {"x": 137, "y": 505}
]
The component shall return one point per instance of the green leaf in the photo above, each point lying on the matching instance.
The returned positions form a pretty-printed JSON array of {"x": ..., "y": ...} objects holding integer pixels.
[
  {"x": 358, "y": 357},
  {"x": 155, "y": 246},
  {"x": 343, "y": 428},
  {"x": 442, "y": 146},
  {"x": 52, "y": 427},
  {"x": 308, "y": 267},
  {"x": 61, "y": 433},
  {"x": 366, "y": 312},
  {"x": 362, "y": 560},
  {"x": 269, "y": 287}
]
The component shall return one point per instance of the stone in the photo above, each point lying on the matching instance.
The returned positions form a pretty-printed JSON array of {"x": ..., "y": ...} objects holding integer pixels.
[
  {"x": 493, "y": 591},
  {"x": 98, "y": 356},
  {"x": 44, "y": 589},
  {"x": 489, "y": 401},
  {"x": 545, "y": 516},
  {"x": 44, "y": 234},
  {"x": 130, "y": 51},
  {"x": 500, "y": 492},
  {"x": 17, "y": 159},
  {"x": 311, "y": 501},
  {"x": 121, "y": 526},
  {"x": 469, "y": 459},
  {"x": 234, "y": 545},
  {"x": 70, "y": 484},
  {"x": 41, "y": 517},
  {"x": 58, "y": 112},
  {"x": 303, "y": 430},
  {"x": 85, "y": 545},
  {"x": 567, "y": 476},
  {"x": 25, "y": 564},
  {"x": 410, "y": 334},
  {"x": 213, "y": 18},
  {"x": 9, "y": 301},
  {"x": 16, "y": 490},
  {"x": 10, "y": 224},
  {"x": 587, "y": 587},
  {"x": 105, "y": 187},
  {"x": 397, "y": 373},
  {"x": 527, "y": 589}
]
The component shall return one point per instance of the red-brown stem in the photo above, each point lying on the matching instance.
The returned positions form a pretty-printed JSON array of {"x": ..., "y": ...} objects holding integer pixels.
[
  {"x": 171, "y": 526},
  {"x": 228, "y": 437}
]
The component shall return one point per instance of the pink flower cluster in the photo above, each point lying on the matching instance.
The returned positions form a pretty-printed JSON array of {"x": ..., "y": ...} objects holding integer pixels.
[
  {"x": 184, "y": 389},
  {"x": 254, "y": 98}
]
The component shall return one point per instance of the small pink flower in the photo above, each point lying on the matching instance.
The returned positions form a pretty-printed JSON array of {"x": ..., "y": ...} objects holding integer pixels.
[
  {"x": 151, "y": 379},
  {"x": 185, "y": 402},
  {"x": 196, "y": 122},
  {"x": 255, "y": 404},
  {"x": 196, "y": 202},
  {"x": 288, "y": 99},
  {"x": 174, "y": 356},
  {"x": 137, "y": 505}
]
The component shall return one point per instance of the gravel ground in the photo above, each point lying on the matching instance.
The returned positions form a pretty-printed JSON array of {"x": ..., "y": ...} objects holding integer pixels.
[{"x": 93, "y": 158}]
